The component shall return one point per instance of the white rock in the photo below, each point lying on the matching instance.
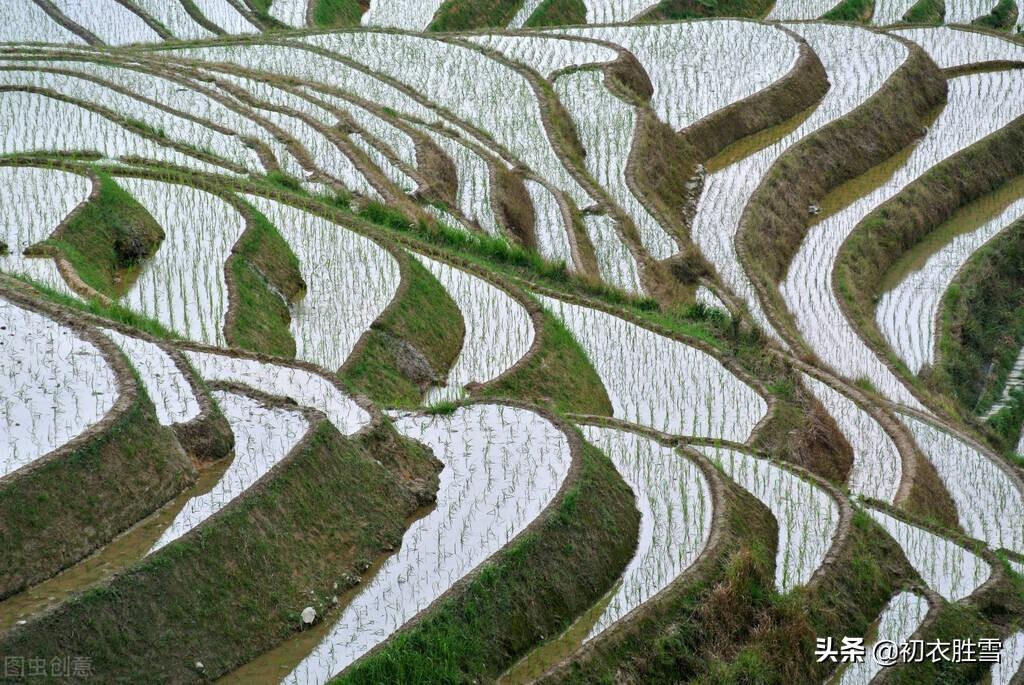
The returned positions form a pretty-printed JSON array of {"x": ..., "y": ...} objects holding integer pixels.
[{"x": 308, "y": 615}]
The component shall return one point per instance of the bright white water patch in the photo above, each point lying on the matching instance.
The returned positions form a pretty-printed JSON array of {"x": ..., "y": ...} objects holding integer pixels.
[
  {"x": 481, "y": 91},
  {"x": 699, "y": 67},
  {"x": 412, "y": 15},
  {"x": 1010, "y": 659},
  {"x": 708, "y": 298},
  {"x": 946, "y": 567},
  {"x": 182, "y": 286},
  {"x": 1014, "y": 382},
  {"x": 615, "y": 263},
  {"x": 545, "y": 54},
  {"x": 474, "y": 192},
  {"x": 225, "y": 15},
  {"x": 966, "y": 11},
  {"x": 858, "y": 62},
  {"x": 606, "y": 127},
  {"x": 502, "y": 468},
  {"x": 263, "y": 437},
  {"x": 291, "y": 12},
  {"x": 72, "y": 128},
  {"x": 387, "y": 167},
  {"x": 611, "y": 11},
  {"x": 53, "y": 386},
  {"x": 877, "y": 467},
  {"x": 675, "y": 516},
  {"x": 807, "y": 516},
  {"x": 523, "y": 14},
  {"x": 108, "y": 20},
  {"x": 660, "y": 383},
  {"x": 499, "y": 330},
  {"x": 33, "y": 202},
  {"x": 800, "y": 9},
  {"x": 978, "y": 105},
  {"x": 951, "y": 47},
  {"x": 890, "y": 11},
  {"x": 989, "y": 503},
  {"x": 166, "y": 385},
  {"x": 349, "y": 281},
  {"x": 305, "y": 388},
  {"x": 173, "y": 15},
  {"x": 550, "y": 225},
  {"x": 900, "y": 619},
  {"x": 395, "y": 138},
  {"x": 24, "y": 21},
  {"x": 907, "y": 315},
  {"x": 176, "y": 128}
]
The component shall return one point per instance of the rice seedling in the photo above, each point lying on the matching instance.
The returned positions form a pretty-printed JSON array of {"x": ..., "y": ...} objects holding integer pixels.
[
  {"x": 877, "y": 466},
  {"x": 224, "y": 14},
  {"x": 708, "y": 298},
  {"x": 807, "y": 516},
  {"x": 474, "y": 192},
  {"x": 291, "y": 12},
  {"x": 551, "y": 226},
  {"x": 499, "y": 330},
  {"x": 547, "y": 54},
  {"x": 947, "y": 568},
  {"x": 907, "y": 315},
  {"x": 263, "y": 437},
  {"x": 182, "y": 286},
  {"x": 26, "y": 22},
  {"x": 523, "y": 13},
  {"x": 898, "y": 622},
  {"x": 173, "y": 16},
  {"x": 412, "y": 15},
  {"x": 349, "y": 280},
  {"x": 1014, "y": 382},
  {"x": 699, "y": 67},
  {"x": 675, "y": 516},
  {"x": 305, "y": 388},
  {"x": 951, "y": 48},
  {"x": 164, "y": 382},
  {"x": 989, "y": 501},
  {"x": 978, "y": 105},
  {"x": 53, "y": 386},
  {"x": 108, "y": 20},
  {"x": 612, "y": 11},
  {"x": 502, "y": 467},
  {"x": 1010, "y": 658},
  {"x": 606, "y": 127},
  {"x": 890, "y": 11},
  {"x": 170, "y": 126},
  {"x": 858, "y": 62},
  {"x": 966, "y": 11},
  {"x": 398, "y": 141},
  {"x": 615, "y": 261},
  {"x": 658, "y": 382},
  {"x": 800, "y": 9},
  {"x": 33, "y": 202},
  {"x": 73, "y": 128}
]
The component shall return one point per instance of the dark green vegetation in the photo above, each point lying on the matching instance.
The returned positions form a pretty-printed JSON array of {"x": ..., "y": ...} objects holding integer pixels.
[
  {"x": 411, "y": 345},
  {"x": 464, "y": 15},
  {"x": 559, "y": 376},
  {"x": 1002, "y": 16},
  {"x": 63, "y": 507},
  {"x": 693, "y": 9},
  {"x": 982, "y": 331},
  {"x": 263, "y": 278},
  {"x": 531, "y": 590},
  {"x": 926, "y": 12},
  {"x": 851, "y": 10},
  {"x": 558, "y": 13},
  {"x": 108, "y": 240},
  {"x": 239, "y": 582},
  {"x": 338, "y": 13}
]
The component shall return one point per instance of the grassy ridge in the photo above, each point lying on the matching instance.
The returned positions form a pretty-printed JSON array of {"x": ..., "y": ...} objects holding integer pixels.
[
  {"x": 61, "y": 510},
  {"x": 1003, "y": 16},
  {"x": 851, "y": 10},
  {"x": 422, "y": 325},
  {"x": 338, "y": 13},
  {"x": 926, "y": 12},
  {"x": 109, "y": 239},
  {"x": 465, "y": 15},
  {"x": 558, "y": 13},
  {"x": 532, "y": 589},
  {"x": 264, "y": 270},
  {"x": 695, "y": 9},
  {"x": 234, "y": 587}
]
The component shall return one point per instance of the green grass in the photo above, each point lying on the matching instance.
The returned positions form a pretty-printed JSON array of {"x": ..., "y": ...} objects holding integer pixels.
[
  {"x": 1002, "y": 17},
  {"x": 694, "y": 9},
  {"x": 851, "y": 10},
  {"x": 926, "y": 12},
  {"x": 109, "y": 239},
  {"x": 465, "y": 15},
  {"x": 338, "y": 13},
  {"x": 558, "y": 13},
  {"x": 560, "y": 376},
  {"x": 532, "y": 590}
]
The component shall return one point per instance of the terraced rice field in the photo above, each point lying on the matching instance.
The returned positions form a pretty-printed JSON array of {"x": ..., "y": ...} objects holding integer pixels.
[{"x": 471, "y": 342}]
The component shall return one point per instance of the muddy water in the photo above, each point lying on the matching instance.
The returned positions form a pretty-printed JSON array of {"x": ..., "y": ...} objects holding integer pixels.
[
  {"x": 124, "y": 551},
  {"x": 744, "y": 147},
  {"x": 969, "y": 218},
  {"x": 548, "y": 655}
]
